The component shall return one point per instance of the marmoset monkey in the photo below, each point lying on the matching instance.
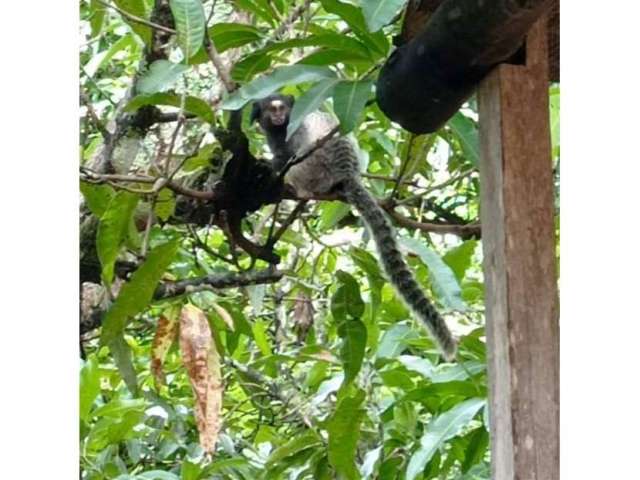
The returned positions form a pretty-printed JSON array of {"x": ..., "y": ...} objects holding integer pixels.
[{"x": 334, "y": 168}]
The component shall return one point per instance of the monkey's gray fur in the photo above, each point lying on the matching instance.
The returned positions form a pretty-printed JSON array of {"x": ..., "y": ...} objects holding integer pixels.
[{"x": 334, "y": 168}]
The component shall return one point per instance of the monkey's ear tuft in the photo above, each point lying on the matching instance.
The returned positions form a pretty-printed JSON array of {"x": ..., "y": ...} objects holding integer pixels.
[
  {"x": 256, "y": 111},
  {"x": 290, "y": 99}
]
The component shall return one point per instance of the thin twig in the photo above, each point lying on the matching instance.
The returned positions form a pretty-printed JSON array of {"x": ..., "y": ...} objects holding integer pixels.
[
  {"x": 147, "y": 228},
  {"x": 194, "y": 152},
  {"x": 469, "y": 229},
  {"x": 94, "y": 177},
  {"x": 293, "y": 16},
  {"x": 373, "y": 176},
  {"x": 167, "y": 164},
  {"x": 290, "y": 219},
  {"x": 274, "y": 216},
  {"x": 94, "y": 116},
  {"x": 97, "y": 87},
  {"x": 213, "y": 9},
  {"x": 403, "y": 167},
  {"x": 434, "y": 188},
  {"x": 219, "y": 65},
  {"x": 137, "y": 19},
  {"x": 317, "y": 239},
  {"x": 199, "y": 243}
]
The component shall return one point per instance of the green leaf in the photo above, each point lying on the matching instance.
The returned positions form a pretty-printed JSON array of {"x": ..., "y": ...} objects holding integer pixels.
[
  {"x": 395, "y": 340},
  {"x": 367, "y": 262},
  {"x": 136, "y": 294},
  {"x": 448, "y": 373},
  {"x": 138, "y": 9},
  {"x": 417, "y": 364},
  {"x": 354, "y": 17},
  {"x": 478, "y": 443},
  {"x": 267, "y": 84},
  {"x": 295, "y": 445},
  {"x": 458, "y": 389},
  {"x": 97, "y": 197},
  {"x": 390, "y": 468},
  {"x": 472, "y": 344},
  {"x": 103, "y": 58},
  {"x": 459, "y": 258},
  {"x": 322, "y": 470},
  {"x": 354, "y": 340},
  {"x": 123, "y": 358},
  {"x": 192, "y": 105},
  {"x": 344, "y": 432},
  {"x": 112, "y": 231},
  {"x": 250, "y": 66},
  {"x": 190, "y": 24},
  {"x": 225, "y": 36},
  {"x": 190, "y": 470},
  {"x": 233, "y": 35},
  {"x": 346, "y": 302},
  {"x": 370, "y": 460},
  {"x": 165, "y": 204},
  {"x": 349, "y": 99},
  {"x": 440, "y": 429},
  {"x": 119, "y": 406},
  {"x": 331, "y": 56},
  {"x": 260, "y": 9},
  {"x": 157, "y": 475},
  {"x": 309, "y": 102},
  {"x": 379, "y": 13},
  {"x": 97, "y": 17},
  {"x": 89, "y": 385},
  {"x": 415, "y": 151},
  {"x": 161, "y": 76},
  {"x": 467, "y": 132},
  {"x": 256, "y": 297},
  {"x": 329, "y": 40},
  {"x": 444, "y": 281},
  {"x": 108, "y": 431},
  {"x": 332, "y": 213},
  {"x": 201, "y": 159},
  {"x": 261, "y": 337}
]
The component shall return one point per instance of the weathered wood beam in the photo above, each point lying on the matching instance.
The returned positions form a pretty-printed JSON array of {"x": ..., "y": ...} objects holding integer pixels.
[
  {"x": 517, "y": 214},
  {"x": 425, "y": 81}
]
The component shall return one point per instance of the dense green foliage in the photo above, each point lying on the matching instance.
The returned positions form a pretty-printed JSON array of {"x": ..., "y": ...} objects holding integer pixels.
[{"x": 325, "y": 373}]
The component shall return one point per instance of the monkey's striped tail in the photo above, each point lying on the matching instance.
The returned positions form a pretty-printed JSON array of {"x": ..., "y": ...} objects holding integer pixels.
[{"x": 394, "y": 265}]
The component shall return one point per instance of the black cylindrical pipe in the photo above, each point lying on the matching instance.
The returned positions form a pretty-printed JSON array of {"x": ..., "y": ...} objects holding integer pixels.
[{"x": 425, "y": 81}]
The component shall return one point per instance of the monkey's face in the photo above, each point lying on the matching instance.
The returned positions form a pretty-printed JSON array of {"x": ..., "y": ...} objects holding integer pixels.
[
  {"x": 273, "y": 111},
  {"x": 277, "y": 112}
]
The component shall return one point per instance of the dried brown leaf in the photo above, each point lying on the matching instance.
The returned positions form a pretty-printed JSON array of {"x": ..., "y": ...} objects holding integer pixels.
[
  {"x": 165, "y": 334},
  {"x": 202, "y": 362},
  {"x": 302, "y": 315}
]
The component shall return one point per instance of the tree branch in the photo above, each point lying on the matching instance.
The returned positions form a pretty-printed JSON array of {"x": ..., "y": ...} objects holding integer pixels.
[
  {"x": 229, "y": 280},
  {"x": 219, "y": 65},
  {"x": 466, "y": 230},
  {"x": 94, "y": 177},
  {"x": 94, "y": 117},
  {"x": 293, "y": 16},
  {"x": 287, "y": 223}
]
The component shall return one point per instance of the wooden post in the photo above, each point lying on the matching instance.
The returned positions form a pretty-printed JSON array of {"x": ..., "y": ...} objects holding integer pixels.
[{"x": 518, "y": 236}]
